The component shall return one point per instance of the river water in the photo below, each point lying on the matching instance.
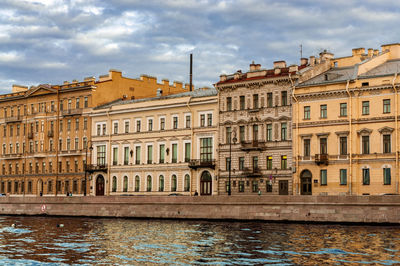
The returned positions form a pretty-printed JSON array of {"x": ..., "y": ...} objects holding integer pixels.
[{"x": 59, "y": 240}]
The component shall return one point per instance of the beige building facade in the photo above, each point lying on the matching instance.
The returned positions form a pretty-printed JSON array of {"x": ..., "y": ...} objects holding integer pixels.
[
  {"x": 156, "y": 146},
  {"x": 346, "y": 126}
]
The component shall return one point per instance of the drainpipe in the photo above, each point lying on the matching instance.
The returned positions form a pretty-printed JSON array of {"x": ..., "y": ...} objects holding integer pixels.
[
  {"x": 396, "y": 132},
  {"x": 109, "y": 149},
  {"x": 351, "y": 137},
  {"x": 192, "y": 142},
  {"x": 297, "y": 137}
]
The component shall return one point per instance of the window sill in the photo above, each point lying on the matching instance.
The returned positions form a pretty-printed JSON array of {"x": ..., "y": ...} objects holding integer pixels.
[
  {"x": 343, "y": 184},
  {"x": 342, "y": 116},
  {"x": 323, "y": 117},
  {"x": 306, "y": 118}
]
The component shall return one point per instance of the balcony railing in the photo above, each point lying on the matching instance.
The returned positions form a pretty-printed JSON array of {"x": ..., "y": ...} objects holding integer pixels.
[
  {"x": 198, "y": 163},
  {"x": 252, "y": 172},
  {"x": 96, "y": 167},
  {"x": 252, "y": 145},
  {"x": 13, "y": 119},
  {"x": 321, "y": 159},
  {"x": 71, "y": 112}
]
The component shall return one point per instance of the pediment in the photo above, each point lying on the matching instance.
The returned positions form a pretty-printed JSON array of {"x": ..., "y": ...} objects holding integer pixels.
[
  {"x": 283, "y": 118},
  {"x": 364, "y": 131},
  {"x": 385, "y": 130},
  {"x": 40, "y": 90}
]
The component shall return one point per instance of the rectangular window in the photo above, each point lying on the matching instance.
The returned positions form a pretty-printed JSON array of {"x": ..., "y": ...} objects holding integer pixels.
[
  {"x": 255, "y": 163},
  {"x": 161, "y": 153},
  {"x": 228, "y": 134},
  {"x": 269, "y": 99},
  {"x": 254, "y": 185},
  {"x": 386, "y": 176},
  {"x": 202, "y": 120},
  {"x": 386, "y": 106},
  {"x": 137, "y": 155},
  {"x": 174, "y": 153},
  {"x": 187, "y": 121},
  {"x": 283, "y": 162},
  {"x": 365, "y": 176},
  {"x": 229, "y": 103},
  {"x": 150, "y": 125},
  {"x": 206, "y": 148},
  {"x": 85, "y": 123},
  {"x": 269, "y": 162},
  {"x": 324, "y": 111},
  {"x": 137, "y": 125},
  {"x": 269, "y": 132},
  {"x": 283, "y": 131},
  {"x": 126, "y": 155},
  {"x": 307, "y": 147},
  {"x": 241, "y": 186},
  {"x": 365, "y": 144},
  {"x": 343, "y": 145},
  {"x": 187, "y": 152},
  {"x": 76, "y": 144},
  {"x": 386, "y": 144},
  {"x": 77, "y": 105},
  {"x": 242, "y": 102},
  {"x": 323, "y": 177},
  {"x": 241, "y": 134},
  {"x": 241, "y": 163},
  {"x": 255, "y": 133},
  {"x": 175, "y": 122},
  {"x": 126, "y": 126},
  {"x": 150, "y": 154},
  {"x": 115, "y": 127},
  {"x": 255, "y": 101},
  {"x": 104, "y": 129},
  {"x": 209, "y": 120},
  {"x": 86, "y": 102},
  {"x": 227, "y": 163},
  {"x": 284, "y": 98},
  {"x": 162, "y": 123},
  {"x": 323, "y": 145},
  {"x": 306, "y": 112},
  {"x": 365, "y": 108},
  {"x": 101, "y": 155},
  {"x": 343, "y": 109}
]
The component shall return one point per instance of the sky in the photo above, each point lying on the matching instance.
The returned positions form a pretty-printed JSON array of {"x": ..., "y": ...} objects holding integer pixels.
[{"x": 51, "y": 41}]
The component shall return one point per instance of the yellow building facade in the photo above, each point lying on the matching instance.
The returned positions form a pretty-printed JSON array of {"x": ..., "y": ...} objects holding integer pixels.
[
  {"x": 156, "y": 146},
  {"x": 345, "y": 126},
  {"x": 46, "y": 129}
]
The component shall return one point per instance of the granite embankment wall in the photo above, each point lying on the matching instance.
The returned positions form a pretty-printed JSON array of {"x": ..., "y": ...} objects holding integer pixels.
[{"x": 354, "y": 209}]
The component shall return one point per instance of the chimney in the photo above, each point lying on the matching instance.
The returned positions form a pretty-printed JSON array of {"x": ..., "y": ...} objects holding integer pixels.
[
  {"x": 18, "y": 88},
  {"x": 66, "y": 82},
  {"x": 325, "y": 55},
  {"x": 237, "y": 74},
  {"x": 222, "y": 78},
  {"x": 252, "y": 67},
  {"x": 370, "y": 52},
  {"x": 358, "y": 51},
  {"x": 376, "y": 52},
  {"x": 279, "y": 64},
  {"x": 165, "y": 82},
  {"x": 312, "y": 60},
  {"x": 303, "y": 61},
  {"x": 317, "y": 61},
  {"x": 293, "y": 68}
]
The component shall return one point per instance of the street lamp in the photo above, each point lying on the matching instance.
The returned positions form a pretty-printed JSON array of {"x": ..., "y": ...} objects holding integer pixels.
[
  {"x": 86, "y": 166},
  {"x": 234, "y": 139}
]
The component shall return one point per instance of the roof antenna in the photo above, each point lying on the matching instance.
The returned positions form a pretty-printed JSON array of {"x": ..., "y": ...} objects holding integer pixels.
[
  {"x": 191, "y": 71},
  {"x": 301, "y": 51}
]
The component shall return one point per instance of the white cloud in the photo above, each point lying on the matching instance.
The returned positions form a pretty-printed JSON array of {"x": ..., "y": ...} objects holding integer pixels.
[{"x": 10, "y": 57}]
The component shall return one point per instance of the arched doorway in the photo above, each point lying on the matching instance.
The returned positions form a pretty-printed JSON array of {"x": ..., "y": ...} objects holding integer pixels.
[
  {"x": 305, "y": 183},
  {"x": 40, "y": 187},
  {"x": 100, "y": 185},
  {"x": 205, "y": 183}
]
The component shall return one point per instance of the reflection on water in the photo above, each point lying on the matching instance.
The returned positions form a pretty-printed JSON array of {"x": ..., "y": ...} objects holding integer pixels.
[{"x": 36, "y": 240}]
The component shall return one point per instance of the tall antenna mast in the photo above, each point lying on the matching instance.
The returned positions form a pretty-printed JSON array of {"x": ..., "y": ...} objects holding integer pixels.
[
  {"x": 301, "y": 51},
  {"x": 191, "y": 71}
]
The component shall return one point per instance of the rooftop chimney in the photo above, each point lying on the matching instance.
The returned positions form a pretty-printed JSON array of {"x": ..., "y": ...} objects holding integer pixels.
[
  {"x": 303, "y": 61},
  {"x": 312, "y": 60},
  {"x": 222, "y": 77},
  {"x": 358, "y": 51},
  {"x": 279, "y": 64},
  {"x": 370, "y": 52}
]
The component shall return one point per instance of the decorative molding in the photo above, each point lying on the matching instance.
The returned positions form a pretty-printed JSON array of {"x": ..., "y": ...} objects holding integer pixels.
[
  {"x": 364, "y": 131},
  {"x": 342, "y": 133},
  {"x": 385, "y": 129}
]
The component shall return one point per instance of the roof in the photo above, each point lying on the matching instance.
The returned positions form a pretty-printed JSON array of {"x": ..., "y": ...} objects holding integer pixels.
[{"x": 198, "y": 93}]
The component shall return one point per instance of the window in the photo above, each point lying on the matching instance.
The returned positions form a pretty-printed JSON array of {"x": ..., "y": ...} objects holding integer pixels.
[
  {"x": 125, "y": 187},
  {"x": 241, "y": 163},
  {"x": 86, "y": 103},
  {"x": 227, "y": 163},
  {"x": 255, "y": 163},
  {"x": 49, "y": 187},
  {"x": 255, "y": 101},
  {"x": 269, "y": 186},
  {"x": 61, "y": 106},
  {"x": 323, "y": 177},
  {"x": 76, "y": 166},
  {"x": 229, "y": 103},
  {"x": 126, "y": 155},
  {"x": 138, "y": 125},
  {"x": 126, "y": 126},
  {"x": 365, "y": 144},
  {"x": 161, "y": 153},
  {"x": 241, "y": 186},
  {"x": 187, "y": 183},
  {"x": 77, "y": 105},
  {"x": 149, "y": 183},
  {"x": 162, "y": 123},
  {"x": 365, "y": 108},
  {"x": 269, "y": 162},
  {"x": 174, "y": 153},
  {"x": 386, "y": 176},
  {"x": 365, "y": 172},
  {"x": 137, "y": 183},
  {"x": 150, "y": 125},
  {"x": 175, "y": 122},
  {"x": 386, "y": 106},
  {"x": 227, "y": 186},
  {"x": 323, "y": 146},
  {"x": 343, "y": 145},
  {"x": 343, "y": 109},
  {"x": 161, "y": 183},
  {"x": 283, "y": 131},
  {"x": 242, "y": 102},
  {"x": 76, "y": 144},
  {"x": 69, "y": 104},
  {"x": 150, "y": 154},
  {"x": 254, "y": 185},
  {"x": 269, "y": 99},
  {"x": 187, "y": 152},
  {"x": 255, "y": 133},
  {"x": 137, "y": 155},
  {"x": 307, "y": 148},
  {"x": 386, "y": 144},
  {"x": 115, "y": 125},
  {"x": 228, "y": 132},
  {"x": 324, "y": 110},
  {"x": 187, "y": 121},
  {"x": 269, "y": 132},
  {"x": 68, "y": 145},
  {"x": 173, "y": 183},
  {"x": 202, "y": 120},
  {"x": 284, "y": 98},
  {"x": 84, "y": 142},
  {"x": 241, "y": 134},
  {"x": 206, "y": 149},
  {"x": 101, "y": 155},
  {"x": 209, "y": 120},
  {"x": 306, "y": 112},
  {"x": 283, "y": 162},
  {"x": 114, "y": 184}
]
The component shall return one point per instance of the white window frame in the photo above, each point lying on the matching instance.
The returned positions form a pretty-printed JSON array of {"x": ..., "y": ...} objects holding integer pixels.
[
  {"x": 148, "y": 120},
  {"x": 205, "y": 113},
  {"x": 172, "y": 121},
  {"x": 129, "y": 125},
  {"x": 159, "y": 122},
  {"x": 113, "y": 126}
]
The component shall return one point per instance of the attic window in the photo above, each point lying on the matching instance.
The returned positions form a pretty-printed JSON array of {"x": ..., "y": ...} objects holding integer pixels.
[
  {"x": 365, "y": 84},
  {"x": 326, "y": 76}
]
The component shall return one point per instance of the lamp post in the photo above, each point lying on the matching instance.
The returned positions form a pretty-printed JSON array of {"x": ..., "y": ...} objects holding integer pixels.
[
  {"x": 230, "y": 159},
  {"x": 86, "y": 166}
]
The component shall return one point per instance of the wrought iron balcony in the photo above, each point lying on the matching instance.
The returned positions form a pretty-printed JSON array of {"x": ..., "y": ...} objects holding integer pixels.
[
  {"x": 199, "y": 163},
  {"x": 252, "y": 172},
  {"x": 13, "y": 119},
  {"x": 252, "y": 145},
  {"x": 96, "y": 167},
  {"x": 72, "y": 112},
  {"x": 321, "y": 159}
]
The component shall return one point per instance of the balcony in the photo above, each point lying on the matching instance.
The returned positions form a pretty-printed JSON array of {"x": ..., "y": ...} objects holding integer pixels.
[
  {"x": 91, "y": 168},
  {"x": 254, "y": 145},
  {"x": 72, "y": 112},
  {"x": 50, "y": 133},
  {"x": 30, "y": 135},
  {"x": 252, "y": 172},
  {"x": 321, "y": 159},
  {"x": 198, "y": 163},
  {"x": 13, "y": 119}
]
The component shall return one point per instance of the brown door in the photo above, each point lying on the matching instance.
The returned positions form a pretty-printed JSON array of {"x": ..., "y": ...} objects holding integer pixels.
[
  {"x": 205, "y": 183},
  {"x": 100, "y": 186},
  {"x": 283, "y": 187}
]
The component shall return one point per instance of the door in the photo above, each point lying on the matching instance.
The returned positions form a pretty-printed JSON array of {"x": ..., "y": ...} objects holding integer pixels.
[
  {"x": 100, "y": 186},
  {"x": 305, "y": 183},
  {"x": 283, "y": 187},
  {"x": 205, "y": 183}
]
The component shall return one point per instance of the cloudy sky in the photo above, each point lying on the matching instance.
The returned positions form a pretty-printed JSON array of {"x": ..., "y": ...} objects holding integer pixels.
[{"x": 49, "y": 41}]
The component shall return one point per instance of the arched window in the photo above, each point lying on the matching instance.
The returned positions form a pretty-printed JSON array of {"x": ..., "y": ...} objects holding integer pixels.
[
  {"x": 173, "y": 183},
  {"x": 125, "y": 184},
  {"x": 114, "y": 184},
  {"x": 161, "y": 183},
  {"x": 149, "y": 183},
  {"x": 187, "y": 182},
  {"x": 137, "y": 183}
]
